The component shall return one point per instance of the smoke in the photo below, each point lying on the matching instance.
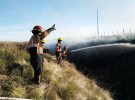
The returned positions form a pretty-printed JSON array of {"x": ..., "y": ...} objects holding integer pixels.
[
  {"x": 107, "y": 59},
  {"x": 83, "y": 42}
]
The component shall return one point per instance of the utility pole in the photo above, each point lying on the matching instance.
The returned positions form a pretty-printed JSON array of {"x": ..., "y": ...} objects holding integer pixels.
[
  {"x": 130, "y": 31},
  {"x": 97, "y": 24},
  {"x": 123, "y": 31}
]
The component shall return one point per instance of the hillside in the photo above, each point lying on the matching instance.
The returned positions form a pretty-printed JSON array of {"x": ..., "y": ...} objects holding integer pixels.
[
  {"x": 59, "y": 82},
  {"x": 112, "y": 65}
]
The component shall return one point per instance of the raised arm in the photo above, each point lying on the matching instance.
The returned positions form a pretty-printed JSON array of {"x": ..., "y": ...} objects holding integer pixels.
[{"x": 48, "y": 31}]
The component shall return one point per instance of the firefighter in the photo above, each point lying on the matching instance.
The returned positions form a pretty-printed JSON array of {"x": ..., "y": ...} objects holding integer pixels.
[
  {"x": 58, "y": 50},
  {"x": 35, "y": 49},
  {"x": 45, "y": 50},
  {"x": 64, "y": 52},
  {"x": 43, "y": 41}
]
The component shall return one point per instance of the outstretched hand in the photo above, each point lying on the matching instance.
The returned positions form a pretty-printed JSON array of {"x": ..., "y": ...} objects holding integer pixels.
[{"x": 51, "y": 29}]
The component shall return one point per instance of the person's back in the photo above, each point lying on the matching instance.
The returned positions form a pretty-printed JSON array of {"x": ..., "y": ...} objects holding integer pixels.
[
  {"x": 36, "y": 50},
  {"x": 58, "y": 47}
]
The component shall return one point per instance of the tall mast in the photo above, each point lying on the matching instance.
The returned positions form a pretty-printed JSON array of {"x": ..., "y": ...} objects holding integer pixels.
[{"x": 97, "y": 24}]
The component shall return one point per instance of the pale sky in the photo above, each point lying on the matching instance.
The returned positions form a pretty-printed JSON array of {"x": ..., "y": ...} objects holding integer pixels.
[{"x": 73, "y": 18}]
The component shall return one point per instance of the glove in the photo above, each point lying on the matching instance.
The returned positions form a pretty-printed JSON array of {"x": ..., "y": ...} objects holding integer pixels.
[{"x": 51, "y": 29}]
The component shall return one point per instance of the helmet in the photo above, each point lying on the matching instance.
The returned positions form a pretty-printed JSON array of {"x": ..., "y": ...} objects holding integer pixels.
[
  {"x": 60, "y": 39},
  {"x": 65, "y": 47},
  {"x": 38, "y": 28},
  {"x": 43, "y": 40}
]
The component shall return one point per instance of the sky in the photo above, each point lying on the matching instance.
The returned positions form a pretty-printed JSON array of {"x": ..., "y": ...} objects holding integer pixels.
[{"x": 73, "y": 18}]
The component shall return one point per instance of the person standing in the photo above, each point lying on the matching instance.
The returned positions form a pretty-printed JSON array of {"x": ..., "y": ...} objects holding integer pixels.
[
  {"x": 45, "y": 50},
  {"x": 58, "y": 50},
  {"x": 64, "y": 52},
  {"x": 35, "y": 49},
  {"x": 43, "y": 41}
]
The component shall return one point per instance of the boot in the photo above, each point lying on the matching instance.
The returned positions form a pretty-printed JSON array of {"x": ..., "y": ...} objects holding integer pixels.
[
  {"x": 39, "y": 79},
  {"x": 35, "y": 78}
]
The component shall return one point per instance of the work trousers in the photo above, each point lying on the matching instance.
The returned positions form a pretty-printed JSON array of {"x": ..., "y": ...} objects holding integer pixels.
[{"x": 36, "y": 61}]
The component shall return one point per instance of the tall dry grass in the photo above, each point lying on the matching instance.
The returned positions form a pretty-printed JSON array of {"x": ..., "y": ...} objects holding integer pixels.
[{"x": 59, "y": 82}]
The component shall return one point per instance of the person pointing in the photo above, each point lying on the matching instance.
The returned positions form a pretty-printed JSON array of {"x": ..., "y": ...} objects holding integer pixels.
[{"x": 36, "y": 50}]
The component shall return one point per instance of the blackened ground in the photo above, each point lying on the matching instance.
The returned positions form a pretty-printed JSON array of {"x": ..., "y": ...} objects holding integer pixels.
[{"x": 113, "y": 66}]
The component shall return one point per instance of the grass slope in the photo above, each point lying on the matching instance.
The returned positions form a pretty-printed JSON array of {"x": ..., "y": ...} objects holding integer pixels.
[{"x": 59, "y": 82}]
